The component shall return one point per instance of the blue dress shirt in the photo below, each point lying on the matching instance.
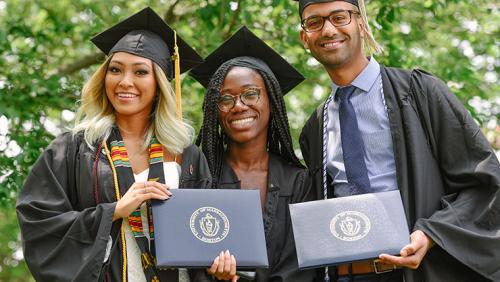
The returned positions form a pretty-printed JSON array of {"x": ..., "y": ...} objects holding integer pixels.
[{"x": 373, "y": 122}]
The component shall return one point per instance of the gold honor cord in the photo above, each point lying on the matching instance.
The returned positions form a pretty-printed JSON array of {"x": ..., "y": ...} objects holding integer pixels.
[
  {"x": 177, "y": 75},
  {"x": 118, "y": 197}
]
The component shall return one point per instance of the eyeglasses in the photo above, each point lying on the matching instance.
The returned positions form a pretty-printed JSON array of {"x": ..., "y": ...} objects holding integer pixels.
[
  {"x": 249, "y": 97},
  {"x": 337, "y": 18}
]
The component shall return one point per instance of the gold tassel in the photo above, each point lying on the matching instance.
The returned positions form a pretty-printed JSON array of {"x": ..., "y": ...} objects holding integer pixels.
[{"x": 177, "y": 76}]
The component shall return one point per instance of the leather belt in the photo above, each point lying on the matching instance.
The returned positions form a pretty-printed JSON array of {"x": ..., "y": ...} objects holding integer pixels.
[{"x": 365, "y": 267}]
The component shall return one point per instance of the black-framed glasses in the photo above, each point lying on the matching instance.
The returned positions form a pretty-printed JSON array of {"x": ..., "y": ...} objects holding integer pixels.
[
  {"x": 337, "y": 18},
  {"x": 249, "y": 97}
]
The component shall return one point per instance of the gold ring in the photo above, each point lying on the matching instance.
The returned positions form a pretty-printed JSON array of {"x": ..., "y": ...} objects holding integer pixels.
[{"x": 144, "y": 185}]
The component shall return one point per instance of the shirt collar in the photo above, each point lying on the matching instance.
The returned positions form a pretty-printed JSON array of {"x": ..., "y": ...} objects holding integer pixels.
[{"x": 366, "y": 78}]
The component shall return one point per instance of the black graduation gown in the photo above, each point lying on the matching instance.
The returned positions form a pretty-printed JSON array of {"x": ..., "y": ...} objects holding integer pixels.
[
  {"x": 286, "y": 184},
  {"x": 447, "y": 173},
  {"x": 64, "y": 230}
]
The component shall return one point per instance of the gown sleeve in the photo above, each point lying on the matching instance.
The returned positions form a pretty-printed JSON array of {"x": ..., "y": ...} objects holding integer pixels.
[
  {"x": 62, "y": 241},
  {"x": 471, "y": 175},
  {"x": 305, "y": 140}
]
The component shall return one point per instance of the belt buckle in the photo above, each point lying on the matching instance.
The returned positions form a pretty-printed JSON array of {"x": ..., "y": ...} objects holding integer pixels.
[{"x": 376, "y": 263}]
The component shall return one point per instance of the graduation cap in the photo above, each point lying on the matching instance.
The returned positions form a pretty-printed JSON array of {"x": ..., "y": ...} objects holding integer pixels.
[
  {"x": 304, "y": 3},
  {"x": 244, "y": 44},
  {"x": 145, "y": 34}
]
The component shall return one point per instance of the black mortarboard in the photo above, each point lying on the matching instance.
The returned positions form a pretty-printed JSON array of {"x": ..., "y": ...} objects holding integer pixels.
[
  {"x": 250, "y": 51},
  {"x": 304, "y": 3},
  {"x": 145, "y": 34}
]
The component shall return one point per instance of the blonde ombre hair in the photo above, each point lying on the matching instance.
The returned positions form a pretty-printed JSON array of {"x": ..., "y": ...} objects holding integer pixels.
[
  {"x": 369, "y": 43},
  {"x": 95, "y": 116}
]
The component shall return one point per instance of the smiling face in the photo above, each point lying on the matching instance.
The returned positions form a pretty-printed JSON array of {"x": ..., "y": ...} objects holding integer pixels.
[
  {"x": 334, "y": 46},
  {"x": 130, "y": 85},
  {"x": 245, "y": 123}
]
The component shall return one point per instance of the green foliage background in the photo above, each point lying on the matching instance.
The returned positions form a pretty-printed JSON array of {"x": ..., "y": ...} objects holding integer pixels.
[{"x": 45, "y": 56}]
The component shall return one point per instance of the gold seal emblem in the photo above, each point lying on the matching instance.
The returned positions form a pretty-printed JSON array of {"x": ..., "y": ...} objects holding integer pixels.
[
  {"x": 350, "y": 225},
  {"x": 209, "y": 225}
]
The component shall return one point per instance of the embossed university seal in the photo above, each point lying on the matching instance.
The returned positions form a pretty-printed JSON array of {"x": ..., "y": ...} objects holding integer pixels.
[
  {"x": 350, "y": 225},
  {"x": 209, "y": 224}
]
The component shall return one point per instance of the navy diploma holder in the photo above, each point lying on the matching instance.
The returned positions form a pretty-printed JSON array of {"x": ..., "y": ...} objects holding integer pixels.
[
  {"x": 195, "y": 225},
  {"x": 347, "y": 229}
]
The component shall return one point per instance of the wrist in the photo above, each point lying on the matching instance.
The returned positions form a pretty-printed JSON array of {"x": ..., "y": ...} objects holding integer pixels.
[
  {"x": 117, "y": 214},
  {"x": 430, "y": 242}
]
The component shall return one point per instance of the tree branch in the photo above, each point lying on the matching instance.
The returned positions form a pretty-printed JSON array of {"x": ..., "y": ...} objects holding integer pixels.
[
  {"x": 169, "y": 14},
  {"x": 79, "y": 64},
  {"x": 232, "y": 23},
  {"x": 222, "y": 13}
]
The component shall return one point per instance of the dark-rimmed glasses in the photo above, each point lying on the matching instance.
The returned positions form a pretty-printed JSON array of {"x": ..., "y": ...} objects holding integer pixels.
[
  {"x": 337, "y": 18},
  {"x": 249, "y": 97}
]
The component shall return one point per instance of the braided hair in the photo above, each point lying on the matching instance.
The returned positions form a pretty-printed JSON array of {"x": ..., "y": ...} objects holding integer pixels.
[{"x": 212, "y": 137}]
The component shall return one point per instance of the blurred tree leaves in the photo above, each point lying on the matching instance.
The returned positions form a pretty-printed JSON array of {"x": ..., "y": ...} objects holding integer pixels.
[{"x": 46, "y": 55}]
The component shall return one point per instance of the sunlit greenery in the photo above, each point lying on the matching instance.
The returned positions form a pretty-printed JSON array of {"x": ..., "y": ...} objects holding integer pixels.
[{"x": 46, "y": 55}]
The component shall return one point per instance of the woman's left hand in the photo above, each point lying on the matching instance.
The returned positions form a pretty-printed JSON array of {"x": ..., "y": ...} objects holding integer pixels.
[
  {"x": 224, "y": 267},
  {"x": 411, "y": 254}
]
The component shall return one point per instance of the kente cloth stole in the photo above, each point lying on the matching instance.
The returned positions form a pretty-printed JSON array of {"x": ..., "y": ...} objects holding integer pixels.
[{"x": 125, "y": 178}]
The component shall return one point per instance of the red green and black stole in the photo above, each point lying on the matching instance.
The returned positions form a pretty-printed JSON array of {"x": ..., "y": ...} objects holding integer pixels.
[{"x": 125, "y": 179}]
